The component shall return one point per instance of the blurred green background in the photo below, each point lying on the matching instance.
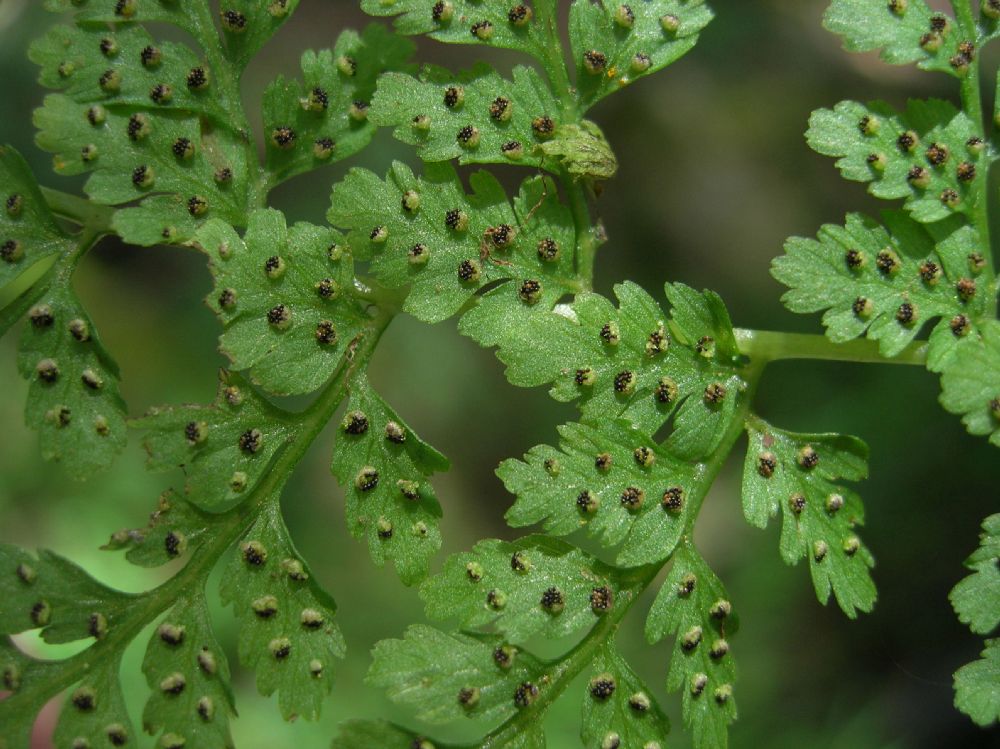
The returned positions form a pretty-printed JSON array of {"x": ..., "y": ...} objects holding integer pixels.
[{"x": 715, "y": 174}]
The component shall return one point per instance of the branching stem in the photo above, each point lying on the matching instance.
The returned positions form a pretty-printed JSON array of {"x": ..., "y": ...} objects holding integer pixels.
[
  {"x": 586, "y": 239},
  {"x": 971, "y": 96},
  {"x": 972, "y": 103},
  {"x": 95, "y": 217},
  {"x": 769, "y": 346},
  {"x": 554, "y": 63},
  {"x": 554, "y": 57}
]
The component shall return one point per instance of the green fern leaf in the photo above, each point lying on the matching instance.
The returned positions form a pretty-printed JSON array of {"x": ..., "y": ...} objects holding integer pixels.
[
  {"x": 632, "y": 362},
  {"x": 225, "y": 449},
  {"x": 190, "y": 15},
  {"x": 175, "y": 527},
  {"x": 693, "y": 606},
  {"x": 74, "y": 60},
  {"x": 977, "y": 686},
  {"x": 285, "y": 297},
  {"x": 324, "y": 117},
  {"x": 628, "y": 712},
  {"x": 506, "y": 25},
  {"x": 614, "y": 480},
  {"x": 96, "y": 712},
  {"x": 446, "y": 677},
  {"x": 55, "y": 595},
  {"x": 510, "y": 118},
  {"x": 73, "y": 397},
  {"x": 887, "y": 281},
  {"x": 971, "y": 383},
  {"x": 384, "y": 468},
  {"x": 933, "y": 155},
  {"x": 976, "y": 599},
  {"x": 531, "y": 586},
  {"x": 905, "y": 31},
  {"x": 52, "y": 594},
  {"x": 73, "y": 400},
  {"x": 207, "y": 179},
  {"x": 190, "y": 701},
  {"x": 20, "y": 675},
  {"x": 287, "y": 629},
  {"x": 185, "y": 666},
  {"x": 796, "y": 472},
  {"x": 247, "y": 25},
  {"x": 28, "y": 231},
  {"x": 428, "y": 234},
  {"x": 145, "y": 118},
  {"x": 614, "y": 44}
]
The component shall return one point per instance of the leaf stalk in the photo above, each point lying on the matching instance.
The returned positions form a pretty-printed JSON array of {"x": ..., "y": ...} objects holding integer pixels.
[
  {"x": 769, "y": 346},
  {"x": 972, "y": 103}
]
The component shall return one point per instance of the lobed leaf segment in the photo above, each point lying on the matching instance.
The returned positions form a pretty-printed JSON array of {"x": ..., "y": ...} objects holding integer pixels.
[{"x": 976, "y": 601}]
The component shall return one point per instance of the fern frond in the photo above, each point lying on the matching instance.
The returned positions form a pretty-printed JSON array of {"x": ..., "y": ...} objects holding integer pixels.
[
  {"x": 286, "y": 299},
  {"x": 511, "y": 117},
  {"x": 614, "y": 481},
  {"x": 933, "y": 156},
  {"x": 175, "y": 527},
  {"x": 976, "y": 600},
  {"x": 428, "y": 234},
  {"x": 52, "y": 594},
  {"x": 628, "y": 714},
  {"x": 905, "y": 31},
  {"x": 324, "y": 117},
  {"x": 614, "y": 44},
  {"x": 533, "y": 586},
  {"x": 225, "y": 449},
  {"x": 504, "y": 595},
  {"x": 633, "y": 362},
  {"x": 73, "y": 397},
  {"x": 151, "y": 121},
  {"x": 190, "y": 700},
  {"x": 505, "y": 25},
  {"x": 796, "y": 473},
  {"x": 970, "y": 383},
  {"x": 384, "y": 468},
  {"x": 888, "y": 280},
  {"x": 692, "y": 605},
  {"x": 976, "y": 691},
  {"x": 446, "y": 677},
  {"x": 287, "y": 630}
]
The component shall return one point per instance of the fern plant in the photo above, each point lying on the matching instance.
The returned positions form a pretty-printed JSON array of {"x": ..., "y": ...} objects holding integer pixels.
[{"x": 664, "y": 388}]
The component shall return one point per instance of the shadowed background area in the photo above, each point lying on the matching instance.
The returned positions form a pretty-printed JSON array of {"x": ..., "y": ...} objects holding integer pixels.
[{"x": 714, "y": 175}]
